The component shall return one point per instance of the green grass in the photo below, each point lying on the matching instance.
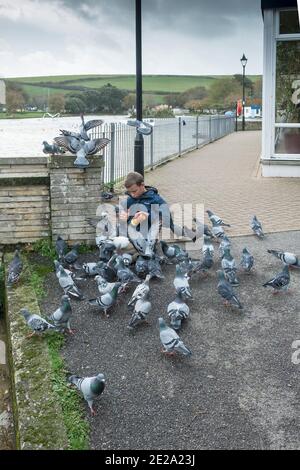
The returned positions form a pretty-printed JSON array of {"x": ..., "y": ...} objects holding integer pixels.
[
  {"x": 45, "y": 248},
  {"x": 70, "y": 400},
  {"x": 22, "y": 115}
]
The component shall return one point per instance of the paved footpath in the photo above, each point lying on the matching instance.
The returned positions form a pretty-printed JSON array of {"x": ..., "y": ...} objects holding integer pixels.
[{"x": 225, "y": 177}]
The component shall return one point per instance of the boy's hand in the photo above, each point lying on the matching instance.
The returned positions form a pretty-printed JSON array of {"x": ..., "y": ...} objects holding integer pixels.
[
  {"x": 139, "y": 217},
  {"x": 123, "y": 215}
]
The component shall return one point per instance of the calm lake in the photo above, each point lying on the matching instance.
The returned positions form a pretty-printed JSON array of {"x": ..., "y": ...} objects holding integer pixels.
[{"x": 24, "y": 137}]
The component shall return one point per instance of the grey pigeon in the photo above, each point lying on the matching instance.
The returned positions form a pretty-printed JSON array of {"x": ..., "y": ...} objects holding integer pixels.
[
  {"x": 141, "y": 265},
  {"x": 144, "y": 245},
  {"x": 171, "y": 341},
  {"x": 142, "y": 309},
  {"x": 172, "y": 252},
  {"x": 247, "y": 261},
  {"x": 35, "y": 322},
  {"x": 61, "y": 316},
  {"x": 140, "y": 291},
  {"x": 287, "y": 258},
  {"x": 71, "y": 257},
  {"x": 104, "y": 226},
  {"x": 226, "y": 291},
  {"x": 217, "y": 230},
  {"x": 154, "y": 267},
  {"x": 256, "y": 227},
  {"x": 280, "y": 281},
  {"x": 124, "y": 274},
  {"x": 215, "y": 220},
  {"x": 225, "y": 243},
  {"x": 127, "y": 259},
  {"x": 181, "y": 284},
  {"x": 106, "y": 250},
  {"x": 207, "y": 245},
  {"x": 90, "y": 387},
  {"x": 14, "y": 269},
  {"x": 67, "y": 284},
  {"x": 141, "y": 127},
  {"x": 61, "y": 247},
  {"x": 52, "y": 149},
  {"x": 178, "y": 310},
  {"x": 229, "y": 267},
  {"x": 202, "y": 229},
  {"x": 81, "y": 148},
  {"x": 103, "y": 285},
  {"x": 84, "y": 127},
  {"x": 205, "y": 264},
  {"x": 106, "y": 301},
  {"x": 92, "y": 269},
  {"x": 108, "y": 270}
]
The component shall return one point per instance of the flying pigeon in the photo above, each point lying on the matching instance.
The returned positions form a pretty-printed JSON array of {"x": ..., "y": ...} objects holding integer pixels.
[
  {"x": 229, "y": 267},
  {"x": 247, "y": 260},
  {"x": 181, "y": 284},
  {"x": 81, "y": 148},
  {"x": 141, "y": 127},
  {"x": 287, "y": 258},
  {"x": 171, "y": 341},
  {"x": 226, "y": 291},
  {"x": 177, "y": 311},
  {"x": 90, "y": 387},
  {"x": 35, "y": 322},
  {"x": 84, "y": 127},
  {"x": 140, "y": 291},
  {"x": 61, "y": 247},
  {"x": 106, "y": 301},
  {"x": 61, "y": 316},
  {"x": 280, "y": 281},
  {"x": 52, "y": 149},
  {"x": 215, "y": 220},
  {"x": 142, "y": 309},
  {"x": 14, "y": 269},
  {"x": 257, "y": 228}
]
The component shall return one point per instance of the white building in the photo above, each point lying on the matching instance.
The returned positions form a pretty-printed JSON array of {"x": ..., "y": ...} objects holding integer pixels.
[
  {"x": 2, "y": 92},
  {"x": 281, "y": 89}
]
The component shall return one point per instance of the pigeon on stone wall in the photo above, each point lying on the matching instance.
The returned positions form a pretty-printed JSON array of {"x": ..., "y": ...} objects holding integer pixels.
[
  {"x": 14, "y": 269},
  {"x": 84, "y": 127},
  {"x": 171, "y": 341},
  {"x": 52, "y": 149},
  {"x": 35, "y": 322},
  {"x": 90, "y": 387},
  {"x": 81, "y": 148}
]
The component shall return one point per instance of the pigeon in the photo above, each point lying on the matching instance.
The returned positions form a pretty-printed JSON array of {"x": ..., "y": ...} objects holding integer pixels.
[
  {"x": 108, "y": 196},
  {"x": 229, "y": 267},
  {"x": 61, "y": 316},
  {"x": 52, "y": 149},
  {"x": 103, "y": 225},
  {"x": 172, "y": 252},
  {"x": 141, "y": 127},
  {"x": 257, "y": 228},
  {"x": 35, "y": 322},
  {"x": 84, "y": 127},
  {"x": 142, "y": 309},
  {"x": 217, "y": 230},
  {"x": 154, "y": 267},
  {"x": 90, "y": 387},
  {"x": 81, "y": 148},
  {"x": 120, "y": 243},
  {"x": 127, "y": 259},
  {"x": 14, "y": 269},
  {"x": 207, "y": 245},
  {"x": 106, "y": 301},
  {"x": 124, "y": 274},
  {"x": 247, "y": 260},
  {"x": 68, "y": 285},
  {"x": 287, "y": 258},
  {"x": 61, "y": 247},
  {"x": 92, "y": 269},
  {"x": 226, "y": 291},
  {"x": 187, "y": 266},
  {"x": 215, "y": 220},
  {"x": 205, "y": 264},
  {"x": 103, "y": 285},
  {"x": 144, "y": 245},
  {"x": 140, "y": 291},
  {"x": 202, "y": 229},
  {"x": 71, "y": 257},
  {"x": 108, "y": 270},
  {"x": 177, "y": 311},
  {"x": 141, "y": 266},
  {"x": 171, "y": 341},
  {"x": 225, "y": 243},
  {"x": 181, "y": 284},
  {"x": 280, "y": 281},
  {"x": 106, "y": 250}
]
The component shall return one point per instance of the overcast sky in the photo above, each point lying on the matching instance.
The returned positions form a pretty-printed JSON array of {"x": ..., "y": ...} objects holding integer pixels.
[{"x": 180, "y": 37}]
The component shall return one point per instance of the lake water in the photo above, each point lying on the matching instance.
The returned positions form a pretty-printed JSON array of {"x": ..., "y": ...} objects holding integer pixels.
[{"x": 24, "y": 137}]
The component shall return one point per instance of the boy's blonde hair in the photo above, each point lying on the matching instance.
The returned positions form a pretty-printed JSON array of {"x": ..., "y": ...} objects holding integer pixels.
[{"x": 133, "y": 178}]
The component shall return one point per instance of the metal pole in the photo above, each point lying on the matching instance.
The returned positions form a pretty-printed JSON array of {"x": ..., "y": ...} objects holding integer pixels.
[
  {"x": 197, "y": 131},
  {"x": 139, "y": 139},
  {"x": 179, "y": 137},
  {"x": 112, "y": 155},
  {"x": 243, "y": 127},
  {"x": 236, "y": 117},
  {"x": 151, "y": 149}
]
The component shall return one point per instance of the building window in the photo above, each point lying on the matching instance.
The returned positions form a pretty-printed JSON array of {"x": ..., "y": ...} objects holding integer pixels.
[{"x": 289, "y": 22}]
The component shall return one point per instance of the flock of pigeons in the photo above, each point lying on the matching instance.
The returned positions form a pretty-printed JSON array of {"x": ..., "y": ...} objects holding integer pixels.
[{"x": 117, "y": 270}]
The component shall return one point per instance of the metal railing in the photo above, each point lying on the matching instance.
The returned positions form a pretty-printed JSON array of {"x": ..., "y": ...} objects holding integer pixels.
[{"x": 171, "y": 137}]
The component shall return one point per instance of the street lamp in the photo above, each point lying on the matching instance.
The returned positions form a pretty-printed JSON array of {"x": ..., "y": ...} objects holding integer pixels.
[
  {"x": 244, "y": 62},
  {"x": 139, "y": 139}
]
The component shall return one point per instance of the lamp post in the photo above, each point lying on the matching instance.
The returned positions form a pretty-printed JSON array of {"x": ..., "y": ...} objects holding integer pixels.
[
  {"x": 244, "y": 62},
  {"x": 139, "y": 139}
]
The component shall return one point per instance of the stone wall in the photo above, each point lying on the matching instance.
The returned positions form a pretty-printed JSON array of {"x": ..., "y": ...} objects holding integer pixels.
[{"x": 45, "y": 196}]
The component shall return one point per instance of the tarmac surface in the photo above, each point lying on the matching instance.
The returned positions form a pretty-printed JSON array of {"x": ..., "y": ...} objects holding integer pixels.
[{"x": 238, "y": 390}]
